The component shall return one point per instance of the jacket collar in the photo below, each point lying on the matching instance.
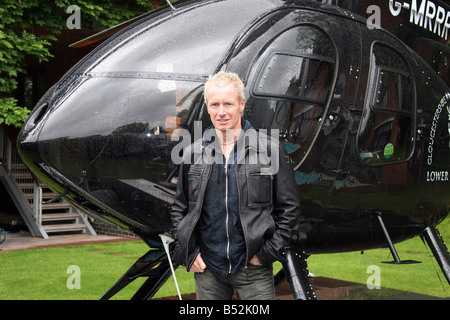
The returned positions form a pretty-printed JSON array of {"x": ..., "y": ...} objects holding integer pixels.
[
  {"x": 210, "y": 136},
  {"x": 249, "y": 139}
]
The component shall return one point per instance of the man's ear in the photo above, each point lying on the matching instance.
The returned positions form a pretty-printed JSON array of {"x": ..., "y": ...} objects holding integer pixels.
[{"x": 242, "y": 106}]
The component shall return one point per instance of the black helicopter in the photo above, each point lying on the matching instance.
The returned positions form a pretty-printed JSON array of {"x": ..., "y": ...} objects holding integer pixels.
[{"x": 363, "y": 110}]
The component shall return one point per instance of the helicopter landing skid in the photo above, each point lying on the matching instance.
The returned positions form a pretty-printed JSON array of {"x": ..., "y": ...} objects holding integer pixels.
[
  {"x": 154, "y": 265},
  {"x": 391, "y": 245},
  {"x": 439, "y": 249},
  {"x": 296, "y": 270}
]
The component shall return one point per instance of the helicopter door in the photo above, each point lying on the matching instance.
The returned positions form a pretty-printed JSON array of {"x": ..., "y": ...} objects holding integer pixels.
[
  {"x": 386, "y": 134},
  {"x": 381, "y": 129},
  {"x": 290, "y": 87},
  {"x": 292, "y": 72},
  {"x": 289, "y": 62}
]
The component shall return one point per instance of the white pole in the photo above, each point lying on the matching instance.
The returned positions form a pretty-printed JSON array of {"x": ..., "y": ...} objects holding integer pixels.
[{"x": 166, "y": 240}]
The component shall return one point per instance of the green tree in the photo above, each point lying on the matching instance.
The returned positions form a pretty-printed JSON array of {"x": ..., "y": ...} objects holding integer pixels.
[{"x": 19, "y": 22}]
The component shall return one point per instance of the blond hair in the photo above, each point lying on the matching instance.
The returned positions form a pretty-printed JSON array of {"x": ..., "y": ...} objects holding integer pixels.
[{"x": 222, "y": 79}]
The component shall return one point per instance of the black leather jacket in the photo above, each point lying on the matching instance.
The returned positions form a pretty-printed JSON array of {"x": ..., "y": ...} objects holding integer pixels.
[{"x": 268, "y": 201}]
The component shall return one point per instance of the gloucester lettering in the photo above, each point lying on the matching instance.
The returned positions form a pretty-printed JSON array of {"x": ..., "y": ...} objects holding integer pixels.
[{"x": 434, "y": 124}]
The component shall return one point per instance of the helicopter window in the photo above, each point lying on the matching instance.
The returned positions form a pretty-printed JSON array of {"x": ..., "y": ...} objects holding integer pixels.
[
  {"x": 297, "y": 122},
  {"x": 291, "y": 82},
  {"x": 386, "y": 132},
  {"x": 394, "y": 90},
  {"x": 301, "y": 84},
  {"x": 289, "y": 76}
]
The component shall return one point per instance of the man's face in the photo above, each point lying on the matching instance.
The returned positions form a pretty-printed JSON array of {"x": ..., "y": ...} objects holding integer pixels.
[{"x": 224, "y": 107}]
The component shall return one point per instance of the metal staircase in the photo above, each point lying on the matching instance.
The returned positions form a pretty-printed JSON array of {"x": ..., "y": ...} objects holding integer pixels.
[{"x": 32, "y": 198}]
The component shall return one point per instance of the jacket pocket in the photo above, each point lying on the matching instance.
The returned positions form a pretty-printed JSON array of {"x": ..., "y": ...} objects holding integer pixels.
[
  {"x": 194, "y": 181},
  {"x": 259, "y": 187}
]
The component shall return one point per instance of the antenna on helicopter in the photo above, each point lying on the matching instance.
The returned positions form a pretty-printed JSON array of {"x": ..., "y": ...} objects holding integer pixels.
[{"x": 170, "y": 5}]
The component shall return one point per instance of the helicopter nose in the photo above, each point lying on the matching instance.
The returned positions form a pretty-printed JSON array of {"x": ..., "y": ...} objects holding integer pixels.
[
  {"x": 29, "y": 135},
  {"x": 109, "y": 142}
]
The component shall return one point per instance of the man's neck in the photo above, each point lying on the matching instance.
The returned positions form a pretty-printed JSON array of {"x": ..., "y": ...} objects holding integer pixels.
[{"x": 227, "y": 139}]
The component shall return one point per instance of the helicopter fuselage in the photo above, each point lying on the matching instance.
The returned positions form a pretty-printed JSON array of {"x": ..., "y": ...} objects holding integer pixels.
[{"x": 365, "y": 119}]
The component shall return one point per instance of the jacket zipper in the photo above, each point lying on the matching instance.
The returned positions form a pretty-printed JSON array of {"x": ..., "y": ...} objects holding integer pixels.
[{"x": 227, "y": 215}]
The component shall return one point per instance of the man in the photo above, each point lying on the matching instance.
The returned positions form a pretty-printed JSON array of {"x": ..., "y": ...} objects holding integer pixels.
[{"x": 236, "y": 203}]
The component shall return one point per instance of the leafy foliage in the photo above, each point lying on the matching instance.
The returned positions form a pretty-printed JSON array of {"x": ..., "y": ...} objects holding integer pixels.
[
  {"x": 11, "y": 114},
  {"x": 27, "y": 29}
]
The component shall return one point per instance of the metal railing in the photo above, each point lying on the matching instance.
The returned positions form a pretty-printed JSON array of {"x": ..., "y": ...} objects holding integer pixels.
[{"x": 19, "y": 172}]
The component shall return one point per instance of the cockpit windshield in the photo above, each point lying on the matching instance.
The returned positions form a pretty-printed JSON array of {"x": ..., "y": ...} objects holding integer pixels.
[{"x": 182, "y": 43}]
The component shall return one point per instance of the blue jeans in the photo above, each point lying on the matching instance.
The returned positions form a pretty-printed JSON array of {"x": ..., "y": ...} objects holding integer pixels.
[{"x": 255, "y": 283}]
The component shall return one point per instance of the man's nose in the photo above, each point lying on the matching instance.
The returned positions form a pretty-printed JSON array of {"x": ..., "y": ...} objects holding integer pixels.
[{"x": 221, "y": 110}]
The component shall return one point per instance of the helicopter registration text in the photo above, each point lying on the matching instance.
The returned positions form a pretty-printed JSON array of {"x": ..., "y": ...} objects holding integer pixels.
[{"x": 427, "y": 15}]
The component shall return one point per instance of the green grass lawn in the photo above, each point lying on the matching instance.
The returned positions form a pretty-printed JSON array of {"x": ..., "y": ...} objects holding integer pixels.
[
  {"x": 42, "y": 274},
  {"x": 425, "y": 277}
]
